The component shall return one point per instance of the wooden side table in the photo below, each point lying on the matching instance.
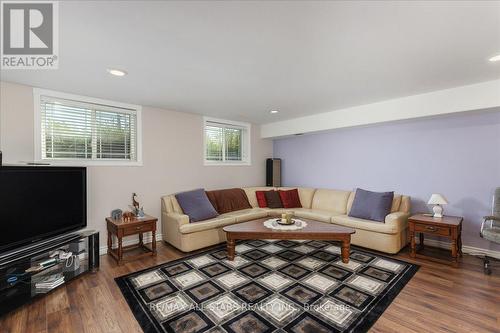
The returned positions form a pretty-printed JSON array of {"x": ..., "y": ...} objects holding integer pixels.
[
  {"x": 447, "y": 226},
  {"x": 134, "y": 226}
]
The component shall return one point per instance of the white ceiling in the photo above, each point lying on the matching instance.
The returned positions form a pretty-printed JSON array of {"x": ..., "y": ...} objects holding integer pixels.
[{"x": 238, "y": 60}]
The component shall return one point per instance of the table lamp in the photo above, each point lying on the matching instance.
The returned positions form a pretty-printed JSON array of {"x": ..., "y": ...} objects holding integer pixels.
[{"x": 437, "y": 200}]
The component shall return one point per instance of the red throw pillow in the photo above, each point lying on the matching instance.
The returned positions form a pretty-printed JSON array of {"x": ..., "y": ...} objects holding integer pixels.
[
  {"x": 261, "y": 198},
  {"x": 290, "y": 198}
]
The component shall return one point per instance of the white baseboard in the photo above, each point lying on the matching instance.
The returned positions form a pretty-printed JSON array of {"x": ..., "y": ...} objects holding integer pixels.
[
  {"x": 147, "y": 239},
  {"x": 465, "y": 249},
  {"x": 431, "y": 242}
]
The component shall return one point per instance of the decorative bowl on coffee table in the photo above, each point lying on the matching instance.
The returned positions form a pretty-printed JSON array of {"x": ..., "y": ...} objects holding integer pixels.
[{"x": 285, "y": 222}]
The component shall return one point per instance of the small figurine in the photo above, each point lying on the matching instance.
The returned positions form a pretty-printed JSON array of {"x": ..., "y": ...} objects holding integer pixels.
[
  {"x": 127, "y": 216},
  {"x": 116, "y": 214},
  {"x": 135, "y": 203},
  {"x": 140, "y": 213}
]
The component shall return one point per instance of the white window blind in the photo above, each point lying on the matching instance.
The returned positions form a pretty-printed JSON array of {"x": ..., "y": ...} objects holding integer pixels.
[
  {"x": 226, "y": 142},
  {"x": 76, "y": 130}
]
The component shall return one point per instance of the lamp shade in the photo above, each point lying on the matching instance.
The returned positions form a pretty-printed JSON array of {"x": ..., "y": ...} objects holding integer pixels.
[{"x": 437, "y": 199}]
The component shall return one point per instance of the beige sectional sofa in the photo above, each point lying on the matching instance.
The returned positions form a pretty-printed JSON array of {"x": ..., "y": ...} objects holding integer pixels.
[{"x": 325, "y": 205}]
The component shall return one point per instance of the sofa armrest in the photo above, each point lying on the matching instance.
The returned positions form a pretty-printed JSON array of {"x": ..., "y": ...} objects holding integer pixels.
[
  {"x": 170, "y": 225},
  {"x": 175, "y": 218},
  {"x": 399, "y": 219}
]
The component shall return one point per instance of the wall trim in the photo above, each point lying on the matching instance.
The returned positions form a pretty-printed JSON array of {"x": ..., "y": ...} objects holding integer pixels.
[
  {"x": 103, "y": 249},
  {"x": 465, "y": 248},
  {"x": 474, "y": 97},
  {"x": 431, "y": 242}
]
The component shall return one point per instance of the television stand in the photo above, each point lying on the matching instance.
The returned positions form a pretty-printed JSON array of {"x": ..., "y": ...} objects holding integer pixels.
[
  {"x": 34, "y": 272},
  {"x": 27, "y": 251}
]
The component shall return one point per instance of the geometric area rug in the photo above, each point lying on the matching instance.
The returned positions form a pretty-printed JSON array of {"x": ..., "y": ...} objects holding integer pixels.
[{"x": 271, "y": 286}]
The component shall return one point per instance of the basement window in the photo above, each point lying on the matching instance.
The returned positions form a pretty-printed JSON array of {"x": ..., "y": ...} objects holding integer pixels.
[
  {"x": 77, "y": 130},
  {"x": 226, "y": 142}
]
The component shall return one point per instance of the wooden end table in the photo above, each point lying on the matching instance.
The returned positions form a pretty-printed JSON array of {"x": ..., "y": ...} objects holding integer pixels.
[
  {"x": 446, "y": 226},
  {"x": 134, "y": 226},
  {"x": 314, "y": 230}
]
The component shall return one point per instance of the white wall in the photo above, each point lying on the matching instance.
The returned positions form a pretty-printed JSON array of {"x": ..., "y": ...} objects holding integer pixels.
[{"x": 172, "y": 158}]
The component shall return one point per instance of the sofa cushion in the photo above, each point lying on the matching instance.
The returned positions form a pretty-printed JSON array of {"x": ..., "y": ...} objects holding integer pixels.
[
  {"x": 214, "y": 223},
  {"x": 405, "y": 204},
  {"x": 273, "y": 199},
  {"x": 261, "y": 199},
  {"x": 170, "y": 204},
  {"x": 306, "y": 195},
  {"x": 330, "y": 200},
  {"x": 248, "y": 214},
  {"x": 279, "y": 211},
  {"x": 371, "y": 205},
  {"x": 250, "y": 192},
  {"x": 396, "y": 203},
  {"x": 290, "y": 198},
  {"x": 196, "y": 205},
  {"x": 314, "y": 214},
  {"x": 394, "y": 226},
  {"x": 228, "y": 200},
  {"x": 349, "y": 201}
]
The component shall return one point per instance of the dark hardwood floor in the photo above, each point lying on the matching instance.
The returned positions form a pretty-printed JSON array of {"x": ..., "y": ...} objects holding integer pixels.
[{"x": 439, "y": 298}]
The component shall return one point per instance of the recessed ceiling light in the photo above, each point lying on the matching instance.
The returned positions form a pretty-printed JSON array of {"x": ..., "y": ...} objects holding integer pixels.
[
  {"x": 273, "y": 111},
  {"x": 116, "y": 72},
  {"x": 495, "y": 58}
]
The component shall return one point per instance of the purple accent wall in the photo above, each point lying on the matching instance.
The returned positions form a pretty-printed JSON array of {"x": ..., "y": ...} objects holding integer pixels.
[{"x": 457, "y": 156}]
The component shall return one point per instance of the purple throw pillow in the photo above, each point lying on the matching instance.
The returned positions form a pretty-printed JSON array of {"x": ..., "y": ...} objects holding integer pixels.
[
  {"x": 196, "y": 205},
  {"x": 371, "y": 205}
]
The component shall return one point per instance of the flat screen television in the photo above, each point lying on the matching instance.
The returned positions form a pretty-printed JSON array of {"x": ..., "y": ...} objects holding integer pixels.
[{"x": 40, "y": 202}]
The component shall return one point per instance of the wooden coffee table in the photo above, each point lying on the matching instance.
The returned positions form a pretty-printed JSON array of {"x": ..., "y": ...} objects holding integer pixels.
[{"x": 314, "y": 230}]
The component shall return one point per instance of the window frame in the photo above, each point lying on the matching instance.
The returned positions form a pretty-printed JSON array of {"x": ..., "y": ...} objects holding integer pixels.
[
  {"x": 246, "y": 147},
  {"x": 37, "y": 95}
]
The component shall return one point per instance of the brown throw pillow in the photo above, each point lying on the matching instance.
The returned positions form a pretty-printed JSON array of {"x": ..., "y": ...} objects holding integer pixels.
[
  {"x": 212, "y": 199},
  {"x": 229, "y": 200},
  {"x": 273, "y": 199}
]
